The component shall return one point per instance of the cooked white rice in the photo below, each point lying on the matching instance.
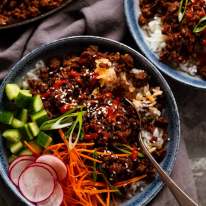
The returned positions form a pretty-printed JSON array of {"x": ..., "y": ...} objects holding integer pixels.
[
  {"x": 156, "y": 42},
  {"x": 153, "y": 35},
  {"x": 32, "y": 74}
]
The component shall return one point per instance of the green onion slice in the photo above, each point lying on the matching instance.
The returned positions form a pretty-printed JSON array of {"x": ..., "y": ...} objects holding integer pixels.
[
  {"x": 201, "y": 25},
  {"x": 123, "y": 148},
  {"x": 62, "y": 121},
  {"x": 76, "y": 124},
  {"x": 182, "y": 9}
]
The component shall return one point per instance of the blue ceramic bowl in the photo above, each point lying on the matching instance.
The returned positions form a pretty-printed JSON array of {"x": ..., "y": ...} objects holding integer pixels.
[
  {"x": 75, "y": 44},
  {"x": 132, "y": 12}
]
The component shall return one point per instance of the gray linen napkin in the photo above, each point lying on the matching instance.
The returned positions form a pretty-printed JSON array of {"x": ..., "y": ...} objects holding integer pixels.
[{"x": 92, "y": 17}]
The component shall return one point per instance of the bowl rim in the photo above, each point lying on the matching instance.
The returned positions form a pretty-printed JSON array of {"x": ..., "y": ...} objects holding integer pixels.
[
  {"x": 37, "y": 18},
  {"x": 157, "y": 184},
  {"x": 131, "y": 13}
]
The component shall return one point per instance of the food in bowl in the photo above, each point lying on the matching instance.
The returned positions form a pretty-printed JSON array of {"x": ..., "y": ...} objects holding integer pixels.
[
  {"x": 176, "y": 31},
  {"x": 14, "y": 11},
  {"x": 80, "y": 131}
]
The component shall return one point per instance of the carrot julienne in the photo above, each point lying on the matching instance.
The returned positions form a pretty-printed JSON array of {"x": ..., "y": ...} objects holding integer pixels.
[
  {"x": 80, "y": 189},
  {"x": 130, "y": 181}
]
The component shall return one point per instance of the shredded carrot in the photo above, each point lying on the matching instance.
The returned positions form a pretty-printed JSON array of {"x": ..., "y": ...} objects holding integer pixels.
[
  {"x": 108, "y": 199},
  {"x": 90, "y": 158},
  {"x": 100, "y": 200},
  {"x": 80, "y": 189},
  {"x": 85, "y": 144},
  {"x": 130, "y": 181},
  {"x": 97, "y": 191},
  {"x": 34, "y": 148},
  {"x": 61, "y": 133},
  {"x": 120, "y": 155}
]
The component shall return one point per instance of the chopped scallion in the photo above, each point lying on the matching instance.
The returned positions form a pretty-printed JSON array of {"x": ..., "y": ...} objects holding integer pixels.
[
  {"x": 182, "y": 9},
  {"x": 201, "y": 25},
  {"x": 62, "y": 121}
]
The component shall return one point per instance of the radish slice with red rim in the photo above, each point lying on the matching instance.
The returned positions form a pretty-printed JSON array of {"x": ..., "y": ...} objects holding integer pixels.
[
  {"x": 17, "y": 169},
  {"x": 51, "y": 169},
  {"x": 23, "y": 157},
  {"x": 36, "y": 183},
  {"x": 55, "y": 199},
  {"x": 55, "y": 163}
]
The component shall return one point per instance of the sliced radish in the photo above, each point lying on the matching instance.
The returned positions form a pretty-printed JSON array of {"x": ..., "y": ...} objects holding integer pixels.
[
  {"x": 36, "y": 183},
  {"x": 17, "y": 169},
  {"x": 55, "y": 199},
  {"x": 55, "y": 163},
  {"x": 23, "y": 157},
  {"x": 51, "y": 169}
]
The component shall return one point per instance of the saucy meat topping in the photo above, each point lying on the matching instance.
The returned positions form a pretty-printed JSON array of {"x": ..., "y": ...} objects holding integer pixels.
[
  {"x": 182, "y": 43},
  {"x": 14, "y": 11},
  {"x": 100, "y": 81}
]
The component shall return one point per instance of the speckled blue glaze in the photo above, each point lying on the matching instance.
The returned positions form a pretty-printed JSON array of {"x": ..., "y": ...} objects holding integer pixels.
[
  {"x": 75, "y": 44},
  {"x": 132, "y": 12}
]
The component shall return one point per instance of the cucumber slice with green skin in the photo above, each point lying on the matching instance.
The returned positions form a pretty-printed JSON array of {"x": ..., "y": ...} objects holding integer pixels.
[
  {"x": 12, "y": 91},
  {"x": 39, "y": 117},
  {"x": 24, "y": 115},
  {"x": 12, "y": 135},
  {"x": 6, "y": 117},
  {"x": 17, "y": 123},
  {"x": 26, "y": 131},
  {"x": 33, "y": 127},
  {"x": 16, "y": 147},
  {"x": 43, "y": 140},
  {"x": 26, "y": 91},
  {"x": 24, "y": 99},
  {"x": 25, "y": 152},
  {"x": 37, "y": 104}
]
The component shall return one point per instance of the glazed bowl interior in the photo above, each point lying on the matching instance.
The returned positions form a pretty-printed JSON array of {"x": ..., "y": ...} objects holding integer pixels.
[
  {"x": 132, "y": 12},
  {"x": 75, "y": 45}
]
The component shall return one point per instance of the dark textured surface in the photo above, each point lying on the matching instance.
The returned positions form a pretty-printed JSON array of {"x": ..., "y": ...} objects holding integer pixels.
[{"x": 192, "y": 108}]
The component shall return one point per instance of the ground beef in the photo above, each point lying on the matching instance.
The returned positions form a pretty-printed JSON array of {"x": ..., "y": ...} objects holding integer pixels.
[
  {"x": 182, "y": 44},
  {"x": 110, "y": 122},
  {"x": 13, "y": 11}
]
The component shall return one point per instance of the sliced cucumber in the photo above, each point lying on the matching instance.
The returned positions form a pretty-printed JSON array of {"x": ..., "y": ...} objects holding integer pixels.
[
  {"x": 24, "y": 115},
  {"x": 43, "y": 140},
  {"x": 17, "y": 123},
  {"x": 12, "y": 135},
  {"x": 6, "y": 117},
  {"x": 37, "y": 104},
  {"x": 24, "y": 99},
  {"x": 12, "y": 91},
  {"x": 39, "y": 117},
  {"x": 16, "y": 147},
  {"x": 26, "y": 91},
  {"x": 33, "y": 127},
  {"x": 26, "y": 131}
]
